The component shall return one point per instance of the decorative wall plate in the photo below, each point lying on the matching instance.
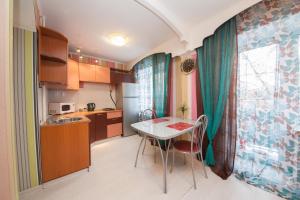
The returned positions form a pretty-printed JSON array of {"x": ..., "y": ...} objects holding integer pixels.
[{"x": 187, "y": 66}]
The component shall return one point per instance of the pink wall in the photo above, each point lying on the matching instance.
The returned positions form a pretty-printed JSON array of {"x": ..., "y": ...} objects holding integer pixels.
[
  {"x": 193, "y": 88},
  {"x": 194, "y": 95}
]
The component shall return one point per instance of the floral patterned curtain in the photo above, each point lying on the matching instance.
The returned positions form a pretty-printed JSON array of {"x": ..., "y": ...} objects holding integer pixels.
[{"x": 268, "y": 94}]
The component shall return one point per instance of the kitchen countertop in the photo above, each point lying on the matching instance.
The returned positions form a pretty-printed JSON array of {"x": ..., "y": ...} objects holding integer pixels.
[
  {"x": 83, "y": 120},
  {"x": 82, "y": 114},
  {"x": 86, "y": 113}
]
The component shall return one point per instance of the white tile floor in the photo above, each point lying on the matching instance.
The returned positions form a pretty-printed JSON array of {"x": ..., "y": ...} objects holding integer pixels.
[{"x": 113, "y": 176}]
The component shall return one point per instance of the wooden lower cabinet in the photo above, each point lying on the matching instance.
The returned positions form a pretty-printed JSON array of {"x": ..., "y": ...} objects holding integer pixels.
[
  {"x": 114, "y": 124},
  {"x": 64, "y": 149},
  {"x": 105, "y": 125},
  {"x": 92, "y": 128},
  {"x": 114, "y": 130},
  {"x": 100, "y": 124}
]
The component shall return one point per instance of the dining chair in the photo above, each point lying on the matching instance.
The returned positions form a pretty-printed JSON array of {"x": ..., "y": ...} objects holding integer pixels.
[
  {"x": 147, "y": 115},
  {"x": 194, "y": 145}
]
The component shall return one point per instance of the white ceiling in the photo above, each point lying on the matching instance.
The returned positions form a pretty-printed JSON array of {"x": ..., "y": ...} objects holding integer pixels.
[
  {"x": 192, "y": 12},
  {"x": 147, "y": 23},
  {"x": 86, "y": 23}
]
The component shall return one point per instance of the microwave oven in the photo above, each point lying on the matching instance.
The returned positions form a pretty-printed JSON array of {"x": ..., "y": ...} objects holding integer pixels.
[{"x": 60, "y": 108}]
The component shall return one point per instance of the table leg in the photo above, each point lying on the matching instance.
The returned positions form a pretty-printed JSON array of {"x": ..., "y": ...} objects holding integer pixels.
[
  {"x": 137, "y": 154},
  {"x": 144, "y": 146},
  {"x": 165, "y": 164}
]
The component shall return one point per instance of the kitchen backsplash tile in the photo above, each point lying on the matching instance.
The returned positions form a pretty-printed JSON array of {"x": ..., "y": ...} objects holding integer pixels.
[{"x": 96, "y": 93}]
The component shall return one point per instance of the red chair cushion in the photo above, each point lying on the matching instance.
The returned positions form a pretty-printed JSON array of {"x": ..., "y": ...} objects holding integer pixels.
[{"x": 185, "y": 146}]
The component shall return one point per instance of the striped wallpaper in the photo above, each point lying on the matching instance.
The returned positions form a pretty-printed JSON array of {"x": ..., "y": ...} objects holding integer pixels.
[{"x": 23, "y": 72}]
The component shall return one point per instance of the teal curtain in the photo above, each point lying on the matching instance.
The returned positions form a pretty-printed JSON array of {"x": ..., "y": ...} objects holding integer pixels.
[
  {"x": 161, "y": 64},
  {"x": 152, "y": 75},
  {"x": 215, "y": 61}
]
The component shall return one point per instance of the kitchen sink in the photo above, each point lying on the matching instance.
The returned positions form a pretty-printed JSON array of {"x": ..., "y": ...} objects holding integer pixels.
[{"x": 63, "y": 120}]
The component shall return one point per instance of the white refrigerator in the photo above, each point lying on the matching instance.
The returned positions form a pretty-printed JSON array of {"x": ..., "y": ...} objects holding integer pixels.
[{"x": 127, "y": 95}]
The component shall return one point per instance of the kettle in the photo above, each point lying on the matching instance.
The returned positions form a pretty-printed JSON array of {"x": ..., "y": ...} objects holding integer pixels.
[{"x": 91, "y": 106}]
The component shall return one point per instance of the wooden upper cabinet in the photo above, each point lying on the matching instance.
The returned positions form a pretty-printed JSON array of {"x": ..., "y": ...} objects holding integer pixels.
[
  {"x": 87, "y": 72},
  {"x": 53, "y": 48},
  {"x": 52, "y": 72},
  {"x": 120, "y": 76},
  {"x": 53, "y": 54},
  {"x": 94, "y": 73},
  {"x": 73, "y": 75},
  {"x": 102, "y": 74},
  {"x": 53, "y": 45}
]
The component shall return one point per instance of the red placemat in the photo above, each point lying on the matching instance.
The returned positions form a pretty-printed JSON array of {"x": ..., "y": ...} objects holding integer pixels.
[
  {"x": 159, "y": 120},
  {"x": 180, "y": 126}
]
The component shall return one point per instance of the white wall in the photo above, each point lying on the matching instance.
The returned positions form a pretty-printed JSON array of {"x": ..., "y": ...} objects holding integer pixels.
[
  {"x": 24, "y": 14},
  {"x": 42, "y": 94},
  {"x": 96, "y": 93}
]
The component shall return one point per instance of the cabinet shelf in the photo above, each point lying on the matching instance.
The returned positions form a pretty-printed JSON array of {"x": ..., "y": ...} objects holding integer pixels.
[
  {"x": 53, "y": 56},
  {"x": 53, "y": 59}
]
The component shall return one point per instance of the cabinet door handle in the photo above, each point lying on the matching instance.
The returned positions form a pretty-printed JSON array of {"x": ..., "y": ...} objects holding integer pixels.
[{"x": 114, "y": 120}]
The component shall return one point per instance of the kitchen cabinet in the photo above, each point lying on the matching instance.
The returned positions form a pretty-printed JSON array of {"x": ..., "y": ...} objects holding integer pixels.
[
  {"x": 86, "y": 72},
  {"x": 94, "y": 73},
  {"x": 52, "y": 72},
  {"x": 65, "y": 149},
  {"x": 121, "y": 76},
  {"x": 92, "y": 128},
  {"x": 53, "y": 55},
  {"x": 100, "y": 124},
  {"x": 53, "y": 47},
  {"x": 114, "y": 130},
  {"x": 102, "y": 74},
  {"x": 72, "y": 75},
  {"x": 114, "y": 124}
]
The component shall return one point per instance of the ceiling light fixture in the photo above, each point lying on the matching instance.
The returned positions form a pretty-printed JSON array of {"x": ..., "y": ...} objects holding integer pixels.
[
  {"x": 78, "y": 50},
  {"x": 118, "y": 40},
  {"x": 80, "y": 57}
]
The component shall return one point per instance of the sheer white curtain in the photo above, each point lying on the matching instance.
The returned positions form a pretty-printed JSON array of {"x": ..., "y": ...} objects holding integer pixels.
[
  {"x": 268, "y": 94},
  {"x": 144, "y": 77}
]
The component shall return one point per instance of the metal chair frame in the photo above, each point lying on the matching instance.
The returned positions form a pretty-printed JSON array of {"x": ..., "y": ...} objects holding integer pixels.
[
  {"x": 197, "y": 133},
  {"x": 153, "y": 140}
]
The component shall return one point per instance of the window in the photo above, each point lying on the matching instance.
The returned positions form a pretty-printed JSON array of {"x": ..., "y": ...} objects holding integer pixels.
[
  {"x": 257, "y": 73},
  {"x": 145, "y": 88},
  {"x": 151, "y": 75},
  {"x": 268, "y": 95},
  {"x": 256, "y": 102}
]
